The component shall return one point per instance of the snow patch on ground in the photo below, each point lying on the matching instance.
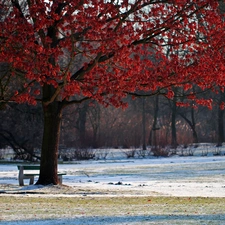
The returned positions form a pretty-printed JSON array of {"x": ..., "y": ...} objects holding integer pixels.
[{"x": 175, "y": 176}]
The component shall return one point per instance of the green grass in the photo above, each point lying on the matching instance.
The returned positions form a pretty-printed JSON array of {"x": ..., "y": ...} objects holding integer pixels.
[{"x": 25, "y": 208}]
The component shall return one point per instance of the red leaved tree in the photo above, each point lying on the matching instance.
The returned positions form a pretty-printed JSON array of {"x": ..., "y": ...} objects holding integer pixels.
[{"x": 61, "y": 52}]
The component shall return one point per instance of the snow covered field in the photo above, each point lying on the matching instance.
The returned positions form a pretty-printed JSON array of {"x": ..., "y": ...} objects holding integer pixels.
[
  {"x": 173, "y": 176},
  {"x": 195, "y": 176}
]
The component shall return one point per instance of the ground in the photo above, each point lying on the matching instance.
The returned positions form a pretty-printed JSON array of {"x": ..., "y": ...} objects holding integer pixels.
[{"x": 174, "y": 190}]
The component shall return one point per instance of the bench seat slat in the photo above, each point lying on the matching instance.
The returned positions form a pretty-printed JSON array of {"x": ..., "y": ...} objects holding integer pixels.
[
  {"x": 61, "y": 173},
  {"x": 31, "y": 167},
  {"x": 30, "y": 174}
]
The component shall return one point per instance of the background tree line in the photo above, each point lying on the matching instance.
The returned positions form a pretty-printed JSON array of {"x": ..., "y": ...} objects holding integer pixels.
[{"x": 147, "y": 121}]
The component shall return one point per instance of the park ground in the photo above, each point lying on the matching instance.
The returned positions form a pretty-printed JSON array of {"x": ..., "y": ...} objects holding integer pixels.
[{"x": 172, "y": 190}]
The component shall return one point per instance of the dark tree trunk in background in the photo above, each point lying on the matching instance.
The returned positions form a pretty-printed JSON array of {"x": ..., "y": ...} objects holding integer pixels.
[
  {"x": 193, "y": 127},
  {"x": 220, "y": 126},
  {"x": 173, "y": 124},
  {"x": 143, "y": 124},
  {"x": 192, "y": 124},
  {"x": 81, "y": 124},
  {"x": 94, "y": 116},
  {"x": 152, "y": 136},
  {"x": 220, "y": 122},
  {"x": 220, "y": 119}
]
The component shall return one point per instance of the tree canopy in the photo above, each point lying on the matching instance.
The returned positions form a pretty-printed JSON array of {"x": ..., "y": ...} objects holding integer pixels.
[{"x": 94, "y": 48}]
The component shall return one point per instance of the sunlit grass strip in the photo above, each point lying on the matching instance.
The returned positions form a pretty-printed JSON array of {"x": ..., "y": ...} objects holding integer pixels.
[{"x": 24, "y": 208}]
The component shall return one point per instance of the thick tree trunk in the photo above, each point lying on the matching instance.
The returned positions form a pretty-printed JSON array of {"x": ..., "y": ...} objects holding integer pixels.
[{"x": 50, "y": 144}]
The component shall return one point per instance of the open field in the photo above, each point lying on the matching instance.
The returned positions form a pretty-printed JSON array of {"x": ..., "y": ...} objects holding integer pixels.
[{"x": 175, "y": 190}]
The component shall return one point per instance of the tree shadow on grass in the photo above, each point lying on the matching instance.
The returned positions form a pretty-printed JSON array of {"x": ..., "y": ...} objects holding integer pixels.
[{"x": 127, "y": 219}]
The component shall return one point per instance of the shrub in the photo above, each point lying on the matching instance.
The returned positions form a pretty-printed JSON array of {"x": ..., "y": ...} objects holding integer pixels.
[{"x": 84, "y": 154}]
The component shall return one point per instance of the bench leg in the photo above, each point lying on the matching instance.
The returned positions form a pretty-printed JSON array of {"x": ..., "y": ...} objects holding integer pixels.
[
  {"x": 60, "y": 179},
  {"x": 20, "y": 176},
  {"x": 31, "y": 180},
  {"x": 21, "y": 183}
]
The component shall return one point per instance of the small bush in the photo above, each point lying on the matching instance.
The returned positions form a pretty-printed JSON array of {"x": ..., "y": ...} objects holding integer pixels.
[
  {"x": 130, "y": 153},
  {"x": 159, "y": 151},
  {"x": 188, "y": 150},
  {"x": 217, "y": 150},
  {"x": 143, "y": 153},
  {"x": 84, "y": 154},
  {"x": 101, "y": 154}
]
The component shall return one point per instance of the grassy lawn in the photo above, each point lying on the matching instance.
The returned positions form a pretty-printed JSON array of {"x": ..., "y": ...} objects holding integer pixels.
[{"x": 143, "y": 210}]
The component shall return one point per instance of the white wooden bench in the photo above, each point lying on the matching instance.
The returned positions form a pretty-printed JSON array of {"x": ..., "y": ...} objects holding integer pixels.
[{"x": 31, "y": 172}]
